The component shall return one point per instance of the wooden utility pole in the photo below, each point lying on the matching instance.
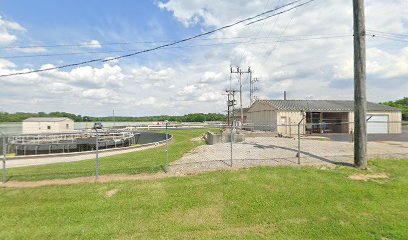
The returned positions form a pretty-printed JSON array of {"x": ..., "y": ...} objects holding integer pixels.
[
  {"x": 360, "y": 100},
  {"x": 231, "y": 103},
  {"x": 252, "y": 90},
  {"x": 228, "y": 109},
  {"x": 240, "y": 72}
]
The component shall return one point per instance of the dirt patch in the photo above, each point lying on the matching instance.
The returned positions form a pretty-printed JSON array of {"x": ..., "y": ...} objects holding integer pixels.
[
  {"x": 366, "y": 177},
  {"x": 112, "y": 192},
  {"x": 197, "y": 139},
  {"x": 80, "y": 180}
]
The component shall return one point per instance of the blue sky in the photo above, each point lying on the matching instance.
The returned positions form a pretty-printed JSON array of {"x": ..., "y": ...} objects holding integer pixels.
[
  {"x": 74, "y": 22},
  {"x": 193, "y": 76}
]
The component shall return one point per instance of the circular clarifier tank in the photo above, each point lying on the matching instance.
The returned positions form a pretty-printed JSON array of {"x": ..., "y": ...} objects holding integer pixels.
[{"x": 85, "y": 140}]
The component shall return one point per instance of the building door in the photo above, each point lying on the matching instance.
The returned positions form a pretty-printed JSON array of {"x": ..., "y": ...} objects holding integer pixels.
[
  {"x": 377, "y": 124},
  {"x": 284, "y": 125}
]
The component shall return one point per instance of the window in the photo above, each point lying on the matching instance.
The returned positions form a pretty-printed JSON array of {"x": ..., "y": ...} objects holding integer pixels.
[
  {"x": 49, "y": 127},
  {"x": 67, "y": 126}
]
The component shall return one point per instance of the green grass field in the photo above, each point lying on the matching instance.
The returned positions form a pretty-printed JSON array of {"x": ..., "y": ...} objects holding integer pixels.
[
  {"x": 146, "y": 161},
  {"x": 272, "y": 203}
]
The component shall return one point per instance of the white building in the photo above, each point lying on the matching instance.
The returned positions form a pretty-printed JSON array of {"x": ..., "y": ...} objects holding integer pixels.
[
  {"x": 320, "y": 116},
  {"x": 47, "y": 125}
]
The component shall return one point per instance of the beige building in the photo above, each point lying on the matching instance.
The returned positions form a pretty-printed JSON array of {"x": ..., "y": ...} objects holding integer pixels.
[
  {"x": 236, "y": 116},
  {"x": 47, "y": 125},
  {"x": 320, "y": 116}
]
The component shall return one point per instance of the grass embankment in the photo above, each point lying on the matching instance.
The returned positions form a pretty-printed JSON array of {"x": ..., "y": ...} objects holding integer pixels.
[
  {"x": 272, "y": 203},
  {"x": 146, "y": 161}
]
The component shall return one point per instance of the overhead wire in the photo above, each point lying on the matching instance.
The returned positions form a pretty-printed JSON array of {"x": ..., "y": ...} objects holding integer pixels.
[
  {"x": 138, "y": 42},
  {"x": 162, "y": 46},
  {"x": 258, "y": 31},
  {"x": 390, "y": 38},
  {"x": 270, "y": 51},
  {"x": 278, "y": 13},
  {"x": 387, "y": 33},
  {"x": 279, "y": 39},
  {"x": 202, "y": 34}
]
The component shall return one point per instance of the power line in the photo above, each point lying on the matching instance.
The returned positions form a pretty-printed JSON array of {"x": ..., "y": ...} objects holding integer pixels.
[
  {"x": 141, "y": 42},
  {"x": 158, "y": 47},
  {"x": 394, "y": 39},
  {"x": 287, "y": 10},
  {"x": 186, "y": 46},
  {"x": 388, "y": 33},
  {"x": 259, "y": 28},
  {"x": 202, "y": 34},
  {"x": 389, "y": 38},
  {"x": 269, "y": 52},
  {"x": 71, "y": 45}
]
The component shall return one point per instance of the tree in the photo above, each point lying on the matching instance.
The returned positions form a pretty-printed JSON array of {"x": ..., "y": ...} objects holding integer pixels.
[{"x": 401, "y": 104}]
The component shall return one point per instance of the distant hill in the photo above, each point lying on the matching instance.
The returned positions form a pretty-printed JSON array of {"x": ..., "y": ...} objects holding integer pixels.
[
  {"x": 194, "y": 117},
  {"x": 401, "y": 104}
]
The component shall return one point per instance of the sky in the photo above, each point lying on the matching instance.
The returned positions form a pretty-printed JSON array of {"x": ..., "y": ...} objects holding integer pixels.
[{"x": 307, "y": 51}]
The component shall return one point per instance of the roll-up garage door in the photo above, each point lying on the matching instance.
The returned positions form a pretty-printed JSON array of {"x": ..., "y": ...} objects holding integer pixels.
[{"x": 377, "y": 124}]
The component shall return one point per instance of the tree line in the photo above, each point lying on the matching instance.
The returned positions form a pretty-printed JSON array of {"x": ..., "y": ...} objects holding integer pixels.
[
  {"x": 193, "y": 117},
  {"x": 401, "y": 104}
]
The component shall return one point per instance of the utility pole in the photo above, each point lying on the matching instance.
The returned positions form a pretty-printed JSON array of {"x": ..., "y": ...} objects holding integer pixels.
[
  {"x": 232, "y": 125},
  {"x": 360, "y": 100},
  {"x": 228, "y": 109},
  {"x": 231, "y": 103},
  {"x": 252, "y": 90},
  {"x": 240, "y": 72}
]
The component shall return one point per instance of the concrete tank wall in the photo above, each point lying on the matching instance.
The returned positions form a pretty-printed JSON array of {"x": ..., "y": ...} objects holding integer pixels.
[{"x": 86, "y": 144}]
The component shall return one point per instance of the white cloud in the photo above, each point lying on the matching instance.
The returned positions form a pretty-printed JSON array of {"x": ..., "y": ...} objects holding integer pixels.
[
  {"x": 6, "y": 64},
  {"x": 194, "y": 80},
  {"x": 11, "y": 25},
  {"x": 59, "y": 87},
  {"x": 92, "y": 44},
  {"x": 210, "y": 97},
  {"x": 210, "y": 77},
  {"x": 150, "y": 74},
  {"x": 319, "y": 68},
  {"x": 31, "y": 49},
  {"x": 97, "y": 93},
  {"x": 7, "y": 29},
  {"x": 88, "y": 90},
  {"x": 112, "y": 61}
]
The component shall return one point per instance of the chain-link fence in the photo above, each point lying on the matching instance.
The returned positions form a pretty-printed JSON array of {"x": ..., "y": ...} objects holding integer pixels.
[
  {"x": 186, "y": 148},
  {"x": 86, "y": 152},
  {"x": 292, "y": 144}
]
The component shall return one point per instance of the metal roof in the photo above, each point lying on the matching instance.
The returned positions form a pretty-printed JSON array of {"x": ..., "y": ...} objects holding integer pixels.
[
  {"x": 46, "y": 119},
  {"x": 238, "y": 110},
  {"x": 324, "y": 105}
]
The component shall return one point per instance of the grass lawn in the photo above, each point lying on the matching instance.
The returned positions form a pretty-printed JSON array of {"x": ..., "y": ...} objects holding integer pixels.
[
  {"x": 146, "y": 161},
  {"x": 272, "y": 203}
]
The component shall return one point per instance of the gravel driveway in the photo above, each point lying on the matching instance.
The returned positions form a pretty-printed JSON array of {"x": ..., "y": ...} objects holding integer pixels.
[{"x": 272, "y": 151}]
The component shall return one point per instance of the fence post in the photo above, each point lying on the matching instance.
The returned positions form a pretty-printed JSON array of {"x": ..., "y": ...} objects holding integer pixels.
[
  {"x": 167, "y": 147},
  {"x": 4, "y": 159},
  {"x": 303, "y": 118},
  {"x": 298, "y": 155},
  {"x": 97, "y": 154},
  {"x": 231, "y": 141}
]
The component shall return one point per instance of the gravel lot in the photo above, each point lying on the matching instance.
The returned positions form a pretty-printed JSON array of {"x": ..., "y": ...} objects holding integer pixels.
[{"x": 272, "y": 151}]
